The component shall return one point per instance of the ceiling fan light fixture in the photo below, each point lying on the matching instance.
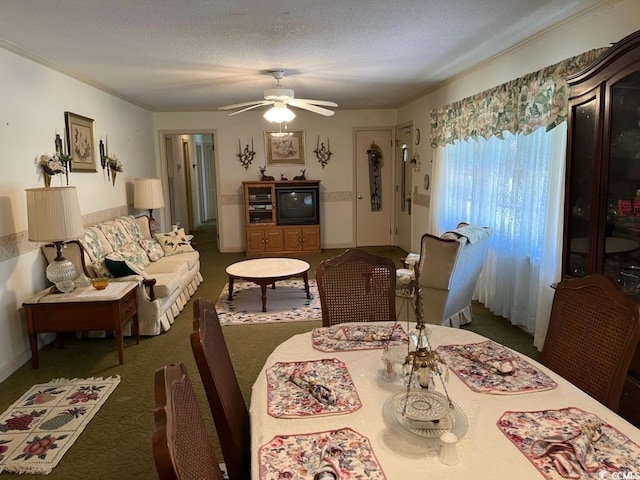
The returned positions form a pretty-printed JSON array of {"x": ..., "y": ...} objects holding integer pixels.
[{"x": 279, "y": 113}]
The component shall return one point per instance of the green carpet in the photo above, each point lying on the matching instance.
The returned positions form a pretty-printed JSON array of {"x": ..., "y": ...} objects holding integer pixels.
[{"x": 117, "y": 442}]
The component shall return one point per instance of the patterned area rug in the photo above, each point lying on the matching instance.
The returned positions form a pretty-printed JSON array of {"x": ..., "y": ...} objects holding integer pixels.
[
  {"x": 37, "y": 430},
  {"x": 287, "y": 303}
]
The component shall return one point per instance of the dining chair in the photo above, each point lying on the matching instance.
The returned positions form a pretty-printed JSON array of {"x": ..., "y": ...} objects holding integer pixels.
[
  {"x": 357, "y": 286},
  {"x": 593, "y": 332},
  {"x": 228, "y": 409},
  {"x": 181, "y": 446}
]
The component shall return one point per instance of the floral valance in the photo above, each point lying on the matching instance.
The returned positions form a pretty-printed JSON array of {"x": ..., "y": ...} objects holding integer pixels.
[{"x": 538, "y": 99}]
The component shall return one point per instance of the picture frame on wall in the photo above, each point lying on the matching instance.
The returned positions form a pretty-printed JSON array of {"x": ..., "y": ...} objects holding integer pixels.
[
  {"x": 284, "y": 148},
  {"x": 81, "y": 141}
]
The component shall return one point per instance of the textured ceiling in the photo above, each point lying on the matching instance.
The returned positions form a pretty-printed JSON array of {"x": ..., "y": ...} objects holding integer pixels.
[{"x": 188, "y": 55}]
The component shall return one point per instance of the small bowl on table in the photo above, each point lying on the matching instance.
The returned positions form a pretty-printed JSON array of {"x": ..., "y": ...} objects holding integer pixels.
[{"x": 100, "y": 283}]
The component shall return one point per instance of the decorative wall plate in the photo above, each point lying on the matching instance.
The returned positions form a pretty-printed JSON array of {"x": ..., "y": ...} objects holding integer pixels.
[{"x": 417, "y": 136}]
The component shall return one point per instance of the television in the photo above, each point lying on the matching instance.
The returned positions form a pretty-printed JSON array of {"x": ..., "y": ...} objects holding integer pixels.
[{"x": 297, "y": 206}]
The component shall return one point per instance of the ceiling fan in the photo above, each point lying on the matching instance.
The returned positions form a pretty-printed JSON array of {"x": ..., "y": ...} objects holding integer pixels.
[{"x": 281, "y": 97}]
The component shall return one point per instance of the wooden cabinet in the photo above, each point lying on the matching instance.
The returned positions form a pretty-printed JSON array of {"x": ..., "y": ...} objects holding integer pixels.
[
  {"x": 602, "y": 187},
  {"x": 302, "y": 239},
  {"x": 264, "y": 240},
  {"x": 295, "y": 229}
]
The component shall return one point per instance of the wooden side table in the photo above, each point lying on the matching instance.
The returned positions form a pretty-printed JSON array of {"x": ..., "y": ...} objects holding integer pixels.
[{"x": 81, "y": 310}]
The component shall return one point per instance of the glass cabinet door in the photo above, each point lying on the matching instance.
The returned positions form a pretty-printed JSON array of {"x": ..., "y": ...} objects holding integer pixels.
[
  {"x": 582, "y": 192},
  {"x": 622, "y": 248}
]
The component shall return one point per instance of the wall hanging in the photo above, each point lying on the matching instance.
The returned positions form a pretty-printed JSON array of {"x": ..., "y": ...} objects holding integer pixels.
[
  {"x": 323, "y": 154},
  {"x": 246, "y": 156},
  {"x": 284, "y": 148},
  {"x": 375, "y": 163},
  {"x": 80, "y": 139}
]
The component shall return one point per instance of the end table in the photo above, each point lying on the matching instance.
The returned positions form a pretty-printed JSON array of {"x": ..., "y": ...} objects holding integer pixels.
[{"x": 82, "y": 310}]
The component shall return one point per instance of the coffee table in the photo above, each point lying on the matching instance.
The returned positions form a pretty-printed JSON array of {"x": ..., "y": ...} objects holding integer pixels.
[{"x": 267, "y": 271}]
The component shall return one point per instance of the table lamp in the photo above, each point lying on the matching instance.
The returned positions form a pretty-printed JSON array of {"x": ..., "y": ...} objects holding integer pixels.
[
  {"x": 147, "y": 194},
  {"x": 54, "y": 217}
]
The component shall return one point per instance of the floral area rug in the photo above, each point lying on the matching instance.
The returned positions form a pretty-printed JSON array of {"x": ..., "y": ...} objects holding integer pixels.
[
  {"x": 286, "y": 303},
  {"x": 37, "y": 430}
]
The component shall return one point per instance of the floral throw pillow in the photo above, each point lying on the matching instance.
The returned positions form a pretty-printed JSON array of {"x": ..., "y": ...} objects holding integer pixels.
[
  {"x": 174, "y": 242},
  {"x": 153, "y": 248}
]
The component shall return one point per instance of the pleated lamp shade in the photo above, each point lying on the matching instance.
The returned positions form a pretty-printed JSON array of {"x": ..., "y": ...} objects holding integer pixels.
[
  {"x": 147, "y": 193},
  {"x": 53, "y": 214}
]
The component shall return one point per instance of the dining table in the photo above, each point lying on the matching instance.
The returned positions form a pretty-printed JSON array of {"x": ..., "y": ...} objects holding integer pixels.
[{"x": 507, "y": 424}]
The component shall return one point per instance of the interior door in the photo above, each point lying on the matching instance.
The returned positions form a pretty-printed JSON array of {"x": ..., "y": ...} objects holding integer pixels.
[
  {"x": 374, "y": 195},
  {"x": 404, "y": 186}
]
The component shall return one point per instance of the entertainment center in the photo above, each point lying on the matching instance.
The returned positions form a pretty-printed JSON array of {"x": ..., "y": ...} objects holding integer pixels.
[{"x": 282, "y": 217}]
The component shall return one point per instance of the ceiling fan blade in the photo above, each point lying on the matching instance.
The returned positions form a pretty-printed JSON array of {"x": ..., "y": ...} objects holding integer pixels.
[
  {"x": 257, "y": 103},
  {"x": 251, "y": 107},
  {"x": 312, "y": 108},
  {"x": 324, "y": 103}
]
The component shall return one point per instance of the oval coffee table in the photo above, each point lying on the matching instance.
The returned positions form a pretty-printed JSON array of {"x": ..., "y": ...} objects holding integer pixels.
[{"x": 267, "y": 271}]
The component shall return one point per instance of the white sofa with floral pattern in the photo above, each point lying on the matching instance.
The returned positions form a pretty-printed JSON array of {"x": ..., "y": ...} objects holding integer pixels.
[{"x": 165, "y": 265}]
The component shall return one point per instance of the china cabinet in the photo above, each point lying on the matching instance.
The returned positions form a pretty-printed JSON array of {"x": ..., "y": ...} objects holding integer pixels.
[{"x": 602, "y": 187}]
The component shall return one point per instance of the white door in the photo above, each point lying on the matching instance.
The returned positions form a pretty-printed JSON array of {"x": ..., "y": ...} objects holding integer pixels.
[
  {"x": 403, "y": 187},
  {"x": 374, "y": 195}
]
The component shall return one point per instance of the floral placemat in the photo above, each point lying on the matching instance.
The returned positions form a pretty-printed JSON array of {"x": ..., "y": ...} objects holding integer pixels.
[
  {"x": 37, "y": 430},
  {"x": 345, "y": 338},
  {"x": 571, "y": 443},
  {"x": 344, "y": 452},
  {"x": 314, "y": 387},
  {"x": 489, "y": 367}
]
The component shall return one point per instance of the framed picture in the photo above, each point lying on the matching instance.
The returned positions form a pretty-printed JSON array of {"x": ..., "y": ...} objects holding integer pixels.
[
  {"x": 284, "y": 148},
  {"x": 81, "y": 141}
]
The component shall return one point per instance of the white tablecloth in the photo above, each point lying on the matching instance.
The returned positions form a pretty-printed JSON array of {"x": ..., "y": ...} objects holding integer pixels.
[{"x": 484, "y": 451}]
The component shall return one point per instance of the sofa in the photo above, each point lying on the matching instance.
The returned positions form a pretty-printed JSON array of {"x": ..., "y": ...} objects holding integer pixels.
[{"x": 165, "y": 265}]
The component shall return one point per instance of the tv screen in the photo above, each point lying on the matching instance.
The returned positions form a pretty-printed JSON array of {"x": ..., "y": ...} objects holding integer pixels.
[{"x": 297, "y": 206}]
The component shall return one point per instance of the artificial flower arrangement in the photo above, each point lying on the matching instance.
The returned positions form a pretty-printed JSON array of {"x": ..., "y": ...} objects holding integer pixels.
[
  {"x": 115, "y": 166},
  {"x": 53, "y": 166}
]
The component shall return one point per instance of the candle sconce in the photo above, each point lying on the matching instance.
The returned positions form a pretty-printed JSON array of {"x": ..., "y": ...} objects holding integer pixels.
[
  {"x": 103, "y": 160},
  {"x": 246, "y": 155},
  {"x": 64, "y": 159},
  {"x": 323, "y": 154}
]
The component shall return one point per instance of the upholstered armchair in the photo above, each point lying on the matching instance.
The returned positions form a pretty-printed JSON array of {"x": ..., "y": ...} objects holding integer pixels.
[{"x": 447, "y": 273}]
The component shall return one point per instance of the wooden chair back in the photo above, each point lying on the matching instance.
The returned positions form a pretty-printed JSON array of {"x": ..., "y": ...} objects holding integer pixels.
[
  {"x": 181, "y": 446},
  {"x": 228, "y": 408},
  {"x": 593, "y": 332},
  {"x": 357, "y": 286}
]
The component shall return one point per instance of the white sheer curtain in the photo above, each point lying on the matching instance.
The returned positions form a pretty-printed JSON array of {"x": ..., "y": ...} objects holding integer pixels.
[{"x": 516, "y": 186}]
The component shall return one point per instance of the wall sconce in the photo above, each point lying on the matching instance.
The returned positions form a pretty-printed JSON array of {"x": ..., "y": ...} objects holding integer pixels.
[
  {"x": 246, "y": 156},
  {"x": 323, "y": 154}
]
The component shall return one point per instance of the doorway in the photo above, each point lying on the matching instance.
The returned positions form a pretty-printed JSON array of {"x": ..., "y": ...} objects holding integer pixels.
[
  {"x": 190, "y": 165},
  {"x": 403, "y": 186},
  {"x": 374, "y": 198}
]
